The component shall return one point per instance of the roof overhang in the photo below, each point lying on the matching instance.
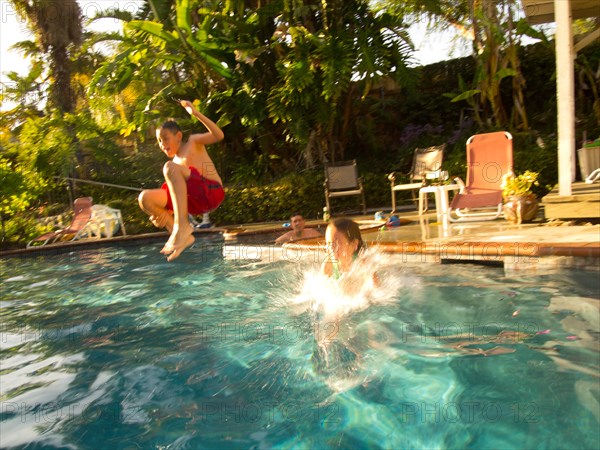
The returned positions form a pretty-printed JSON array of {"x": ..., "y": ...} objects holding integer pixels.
[{"x": 542, "y": 11}]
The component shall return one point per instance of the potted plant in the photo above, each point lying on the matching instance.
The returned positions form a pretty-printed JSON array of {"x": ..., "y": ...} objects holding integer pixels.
[{"x": 520, "y": 204}]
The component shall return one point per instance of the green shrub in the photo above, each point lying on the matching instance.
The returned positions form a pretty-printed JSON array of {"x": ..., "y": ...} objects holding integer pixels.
[
  {"x": 19, "y": 230},
  {"x": 537, "y": 154},
  {"x": 377, "y": 190},
  {"x": 275, "y": 201},
  {"x": 298, "y": 192}
]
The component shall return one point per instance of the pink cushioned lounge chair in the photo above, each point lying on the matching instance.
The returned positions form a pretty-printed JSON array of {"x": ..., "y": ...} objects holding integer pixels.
[
  {"x": 82, "y": 209},
  {"x": 489, "y": 159}
]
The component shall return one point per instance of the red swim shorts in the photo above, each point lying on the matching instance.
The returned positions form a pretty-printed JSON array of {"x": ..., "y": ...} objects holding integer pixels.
[{"x": 203, "y": 194}]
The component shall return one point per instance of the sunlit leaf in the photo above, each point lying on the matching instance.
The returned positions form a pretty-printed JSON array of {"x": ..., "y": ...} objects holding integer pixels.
[{"x": 466, "y": 95}]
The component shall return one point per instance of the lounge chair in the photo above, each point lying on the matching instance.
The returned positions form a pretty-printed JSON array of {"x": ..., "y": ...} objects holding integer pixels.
[
  {"x": 341, "y": 179},
  {"x": 82, "y": 213},
  {"x": 489, "y": 160},
  {"x": 427, "y": 163},
  {"x": 106, "y": 221},
  {"x": 593, "y": 177}
]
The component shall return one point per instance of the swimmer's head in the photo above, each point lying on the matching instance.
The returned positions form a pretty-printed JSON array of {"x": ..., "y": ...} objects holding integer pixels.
[
  {"x": 297, "y": 221},
  {"x": 343, "y": 235}
]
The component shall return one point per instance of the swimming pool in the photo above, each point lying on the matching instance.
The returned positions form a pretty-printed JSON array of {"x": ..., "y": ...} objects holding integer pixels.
[{"x": 116, "y": 348}]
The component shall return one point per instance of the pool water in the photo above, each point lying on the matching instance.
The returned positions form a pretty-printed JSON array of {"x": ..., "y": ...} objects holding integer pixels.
[{"x": 116, "y": 348}]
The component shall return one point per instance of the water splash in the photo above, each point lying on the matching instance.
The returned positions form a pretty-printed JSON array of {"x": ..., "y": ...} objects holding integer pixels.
[
  {"x": 341, "y": 352},
  {"x": 368, "y": 282}
]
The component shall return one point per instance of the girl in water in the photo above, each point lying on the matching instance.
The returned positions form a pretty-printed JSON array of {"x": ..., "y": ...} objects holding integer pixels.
[
  {"x": 335, "y": 354},
  {"x": 344, "y": 245}
]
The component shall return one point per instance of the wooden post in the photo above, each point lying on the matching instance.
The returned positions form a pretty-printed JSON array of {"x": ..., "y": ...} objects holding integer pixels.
[{"x": 565, "y": 92}]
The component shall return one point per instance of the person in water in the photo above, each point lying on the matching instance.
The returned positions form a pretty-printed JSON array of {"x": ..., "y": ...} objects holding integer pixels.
[
  {"x": 192, "y": 184},
  {"x": 298, "y": 230},
  {"x": 345, "y": 248},
  {"x": 344, "y": 245}
]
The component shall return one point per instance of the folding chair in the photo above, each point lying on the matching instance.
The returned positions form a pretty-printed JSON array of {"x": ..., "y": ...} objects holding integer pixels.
[
  {"x": 427, "y": 163},
  {"x": 341, "y": 179}
]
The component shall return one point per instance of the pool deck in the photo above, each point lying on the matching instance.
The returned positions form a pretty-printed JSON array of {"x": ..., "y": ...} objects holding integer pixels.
[
  {"x": 525, "y": 246},
  {"x": 420, "y": 239}
]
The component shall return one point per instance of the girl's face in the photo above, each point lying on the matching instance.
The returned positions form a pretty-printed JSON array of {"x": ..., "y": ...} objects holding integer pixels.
[
  {"x": 168, "y": 141},
  {"x": 339, "y": 244}
]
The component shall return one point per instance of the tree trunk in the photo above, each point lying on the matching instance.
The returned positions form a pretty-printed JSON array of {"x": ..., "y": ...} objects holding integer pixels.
[
  {"x": 308, "y": 157},
  {"x": 62, "y": 95}
]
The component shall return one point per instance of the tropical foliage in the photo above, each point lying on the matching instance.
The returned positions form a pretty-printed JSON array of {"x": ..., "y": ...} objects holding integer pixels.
[
  {"x": 283, "y": 76},
  {"x": 495, "y": 34}
]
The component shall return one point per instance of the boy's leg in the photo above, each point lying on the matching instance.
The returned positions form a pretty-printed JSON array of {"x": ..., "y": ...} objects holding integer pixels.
[
  {"x": 181, "y": 235},
  {"x": 153, "y": 202}
]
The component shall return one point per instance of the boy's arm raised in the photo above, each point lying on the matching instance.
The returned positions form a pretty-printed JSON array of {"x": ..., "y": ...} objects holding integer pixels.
[{"x": 214, "y": 134}]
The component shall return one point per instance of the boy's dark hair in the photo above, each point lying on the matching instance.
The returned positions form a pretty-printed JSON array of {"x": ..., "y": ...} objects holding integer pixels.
[
  {"x": 170, "y": 125},
  {"x": 351, "y": 229},
  {"x": 296, "y": 213}
]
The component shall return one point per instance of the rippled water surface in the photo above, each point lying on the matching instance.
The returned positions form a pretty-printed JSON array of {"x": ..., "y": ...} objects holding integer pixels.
[{"x": 116, "y": 348}]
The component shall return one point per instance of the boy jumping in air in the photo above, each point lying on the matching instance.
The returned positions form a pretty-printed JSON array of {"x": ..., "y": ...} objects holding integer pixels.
[{"x": 192, "y": 184}]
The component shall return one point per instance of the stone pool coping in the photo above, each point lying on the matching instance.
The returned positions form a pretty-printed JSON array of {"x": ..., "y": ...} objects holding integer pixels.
[{"x": 514, "y": 246}]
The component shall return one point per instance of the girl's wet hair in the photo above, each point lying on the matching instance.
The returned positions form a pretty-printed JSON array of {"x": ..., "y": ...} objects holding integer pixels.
[
  {"x": 170, "y": 125},
  {"x": 351, "y": 229}
]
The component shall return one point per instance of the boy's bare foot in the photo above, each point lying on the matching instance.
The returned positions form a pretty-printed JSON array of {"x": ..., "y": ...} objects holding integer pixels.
[
  {"x": 177, "y": 250},
  {"x": 168, "y": 247},
  {"x": 177, "y": 243}
]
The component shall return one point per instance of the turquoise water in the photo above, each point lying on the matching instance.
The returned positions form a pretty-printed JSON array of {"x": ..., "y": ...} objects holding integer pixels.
[{"x": 115, "y": 348}]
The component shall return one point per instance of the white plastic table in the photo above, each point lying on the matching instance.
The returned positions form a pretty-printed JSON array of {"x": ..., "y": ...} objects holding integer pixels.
[{"x": 441, "y": 198}]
